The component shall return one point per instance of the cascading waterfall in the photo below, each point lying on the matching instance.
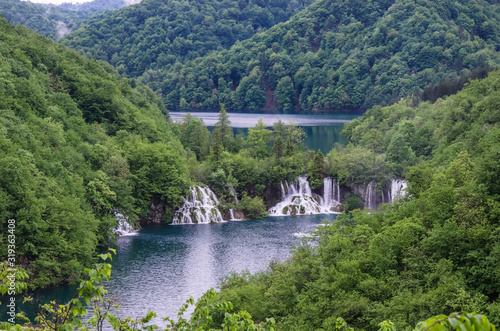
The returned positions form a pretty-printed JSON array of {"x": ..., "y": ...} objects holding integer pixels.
[
  {"x": 371, "y": 195},
  {"x": 398, "y": 189},
  {"x": 297, "y": 199},
  {"x": 199, "y": 207},
  {"x": 123, "y": 228}
]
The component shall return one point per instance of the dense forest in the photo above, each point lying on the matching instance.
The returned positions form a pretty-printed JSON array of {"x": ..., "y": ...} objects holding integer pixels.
[
  {"x": 332, "y": 55},
  {"x": 437, "y": 250},
  {"x": 77, "y": 142},
  {"x": 53, "y": 21},
  {"x": 155, "y": 34}
]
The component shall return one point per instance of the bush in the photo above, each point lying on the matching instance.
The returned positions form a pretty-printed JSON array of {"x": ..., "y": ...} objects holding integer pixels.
[
  {"x": 252, "y": 207},
  {"x": 352, "y": 202}
]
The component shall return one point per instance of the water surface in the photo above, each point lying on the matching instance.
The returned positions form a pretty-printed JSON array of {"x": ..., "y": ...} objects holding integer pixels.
[
  {"x": 322, "y": 130},
  {"x": 162, "y": 266}
]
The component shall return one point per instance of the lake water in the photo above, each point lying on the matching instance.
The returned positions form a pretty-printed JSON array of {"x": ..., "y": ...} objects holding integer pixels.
[
  {"x": 161, "y": 266},
  {"x": 322, "y": 130}
]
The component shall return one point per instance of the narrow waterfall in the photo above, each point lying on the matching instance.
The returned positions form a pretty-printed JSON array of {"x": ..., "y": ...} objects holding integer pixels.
[
  {"x": 200, "y": 206},
  {"x": 371, "y": 195},
  {"x": 338, "y": 190},
  {"x": 297, "y": 199},
  {"x": 328, "y": 190},
  {"x": 398, "y": 189},
  {"x": 231, "y": 213},
  {"x": 233, "y": 193},
  {"x": 331, "y": 193},
  {"x": 123, "y": 228}
]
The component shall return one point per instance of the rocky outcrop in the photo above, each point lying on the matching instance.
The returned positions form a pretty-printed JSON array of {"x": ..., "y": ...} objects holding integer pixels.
[
  {"x": 233, "y": 215},
  {"x": 156, "y": 211}
]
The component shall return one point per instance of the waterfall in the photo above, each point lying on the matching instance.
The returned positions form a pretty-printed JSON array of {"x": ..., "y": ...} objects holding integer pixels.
[
  {"x": 371, "y": 195},
  {"x": 123, "y": 228},
  {"x": 297, "y": 199},
  {"x": 328, "y": 190},
  {"x": 283, "y": 192},
  {"x": 233, "y": 193},
  {"x": 331, "y": 193},
  {"x": 200, "y": 206},
  {"x": 232, "y": 214},
  {"x": 398, "y": 189},
  {"x": 338, "y": 191}
]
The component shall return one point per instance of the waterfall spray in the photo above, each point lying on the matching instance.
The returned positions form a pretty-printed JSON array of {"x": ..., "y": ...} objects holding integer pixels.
[
  {"x": 199, "y": 207},
  {"x": 297, "y": 198}
]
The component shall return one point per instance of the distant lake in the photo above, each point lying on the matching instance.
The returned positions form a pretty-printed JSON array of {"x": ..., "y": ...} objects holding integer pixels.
[{"x": 322, "y": 130}]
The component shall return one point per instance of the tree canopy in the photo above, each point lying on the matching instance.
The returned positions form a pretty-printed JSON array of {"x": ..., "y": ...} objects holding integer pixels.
[{"x": 77, "y": 142}]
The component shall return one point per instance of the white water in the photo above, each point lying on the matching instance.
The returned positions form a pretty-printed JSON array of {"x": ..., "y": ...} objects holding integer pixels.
[
  {"x": 233, "y": 193},
  {"x": 199, "y": 207},
  {"x": 232, "y": 214},
  {"x": 124, "y": 228},
  {"x": 371, "y": 195},
  {"x": 331, "y": 193},
  {"x": 297, "y": 199},
  {"x": 398, "y": 189}
]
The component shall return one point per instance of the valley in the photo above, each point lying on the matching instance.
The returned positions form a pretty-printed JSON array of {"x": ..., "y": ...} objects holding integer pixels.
[{"x": 324, "y": 165}]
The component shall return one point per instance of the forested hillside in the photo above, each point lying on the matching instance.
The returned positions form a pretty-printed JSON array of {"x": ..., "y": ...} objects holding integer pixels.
[
  {"x": 77, "y": 141},
  {"x": 333, "y": 55},
  {"x": 156, "y": 34},
  {"x": 438, "y": 250},
  {"x": 53, "y": 21}
]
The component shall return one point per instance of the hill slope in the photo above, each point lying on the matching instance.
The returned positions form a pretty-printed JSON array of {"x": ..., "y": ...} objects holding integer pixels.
[
  {"x": 435, "y": 251},
  {"x": 154, "y": 33},
  {"x": 53, "y": 21},
  {"x": 77, "y": 142},
  {"x": 339, "y": 55}
]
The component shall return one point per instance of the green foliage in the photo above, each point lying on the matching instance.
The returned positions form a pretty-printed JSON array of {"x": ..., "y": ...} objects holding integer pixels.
[
  {"x": 20, "y": 275},
  {"x": 76, "y": 141},
  {"x": 153, "y": 35},
  {"x": 253, "y": 208},
  {"x": 317, "y": 170},
  {"x": 456, "y": 321},
  {"x": 352, "y": 201},
  {"x": 332, "y": 55},
  {"x": 284, "y": 93},
  {"x": 223, "y": 137},
  {"x": 258, "y": 140},
  {"x": 52, "y": 21},
  {"x": 436, "y": 250},
  {"x": 195, "y": 136}
]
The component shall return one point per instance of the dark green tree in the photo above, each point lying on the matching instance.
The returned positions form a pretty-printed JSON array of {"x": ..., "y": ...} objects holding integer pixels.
[
  {"x": 223, "y": 137},
  {"x": 284, "y": 93}
]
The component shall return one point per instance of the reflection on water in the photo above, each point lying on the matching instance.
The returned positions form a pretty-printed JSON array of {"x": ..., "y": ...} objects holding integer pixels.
[
  {"x": 163, "y": 265},
  {"x": 248, "y": 120},
  {"x": 322, "y": 131}
]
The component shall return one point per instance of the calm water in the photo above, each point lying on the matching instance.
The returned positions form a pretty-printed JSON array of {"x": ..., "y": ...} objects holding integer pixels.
[
  {"x": 322, "y": 130},
  {"x": 162, "y": 266}
]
